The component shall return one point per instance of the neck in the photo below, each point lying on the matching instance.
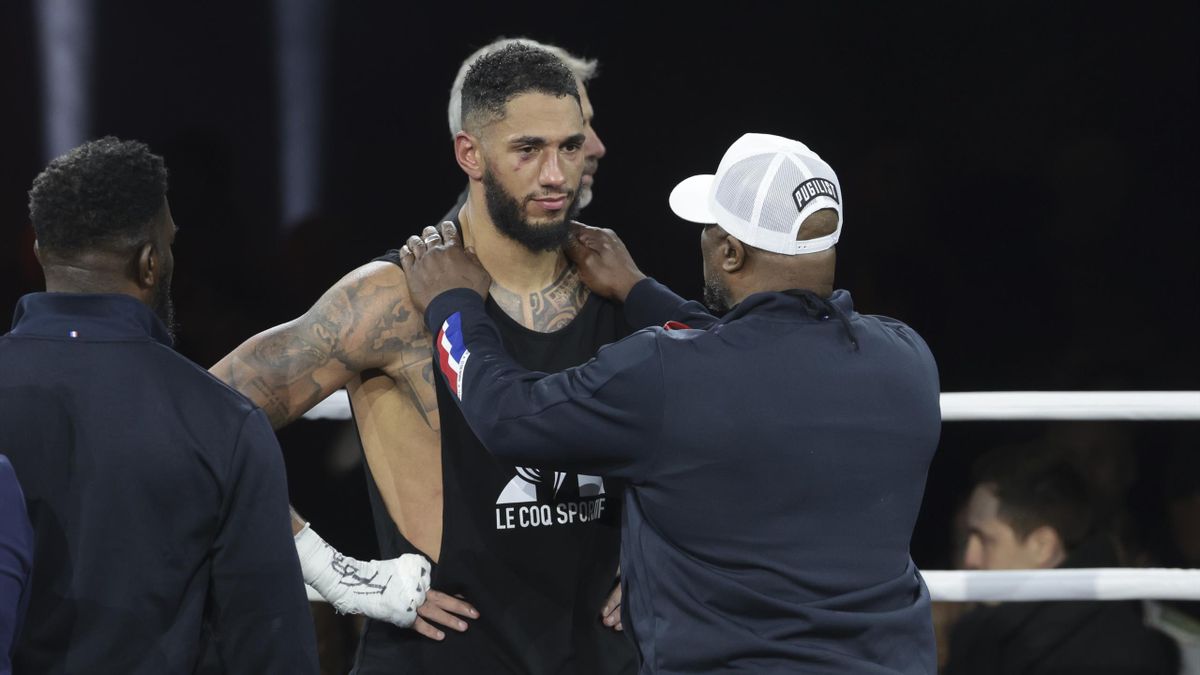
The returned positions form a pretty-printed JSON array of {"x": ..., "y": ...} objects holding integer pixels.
[
  {"x": 748, "y": 287},
  {"x": 541, "y": 291},
  {"x": 512, "y": 266},
  {"x": 93, "y": 274},
  {"x": 777, "y": 273}
]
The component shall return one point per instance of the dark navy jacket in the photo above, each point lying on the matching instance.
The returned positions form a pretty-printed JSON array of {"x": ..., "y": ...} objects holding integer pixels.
[
  {"x": 776, "y": 460},
  {"x": 157, "y": 496},
  {"x": 16, "y": 561}
]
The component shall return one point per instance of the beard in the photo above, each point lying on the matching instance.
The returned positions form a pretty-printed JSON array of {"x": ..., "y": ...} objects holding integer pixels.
[
  {"x": 164, "y": 306},
  {"x": 585, "y": 191},
  {"x": 716, "y": 298},
  {"x": 507, "y": 215},
  {"x": 716, "y": 295},
  {"x": 585, "y": 198}
]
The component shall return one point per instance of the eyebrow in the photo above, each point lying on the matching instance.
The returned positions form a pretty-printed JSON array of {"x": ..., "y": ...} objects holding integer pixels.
[{"x": 538, "y": 141}]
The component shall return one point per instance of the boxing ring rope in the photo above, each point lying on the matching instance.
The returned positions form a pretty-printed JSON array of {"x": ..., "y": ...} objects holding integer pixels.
[
  {"x": 1100, "y": 583},
  {"x": 965, "y": 406},
  {"x": 1025, "y": 585}
]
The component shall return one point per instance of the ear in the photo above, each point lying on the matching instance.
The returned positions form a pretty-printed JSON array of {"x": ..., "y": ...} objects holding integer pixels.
[
  {"x": 1046, "y": 547},
  {"x": 148, "y": 266},
  {"x": 733, "y": 254},
  {"x": 468, "y": 153}
]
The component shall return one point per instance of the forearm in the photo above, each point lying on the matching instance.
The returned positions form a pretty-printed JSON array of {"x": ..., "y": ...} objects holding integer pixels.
[
  {"x": 298, "y": 522},
  {"x": 532, "y": 417},
  {"x": 276, "y": 370},
  {"x": 650, "y": 303}
]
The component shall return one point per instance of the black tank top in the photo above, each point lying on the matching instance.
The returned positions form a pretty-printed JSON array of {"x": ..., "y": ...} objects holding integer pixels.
[{"x": 535, "y": 551}]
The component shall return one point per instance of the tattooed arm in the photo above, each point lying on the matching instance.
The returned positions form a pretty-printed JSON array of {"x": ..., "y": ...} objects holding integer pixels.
[{"x": 365, "y": 321}]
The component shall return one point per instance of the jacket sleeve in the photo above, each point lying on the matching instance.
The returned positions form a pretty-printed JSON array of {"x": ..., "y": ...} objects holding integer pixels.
[
  {"x": 16, "y": 559},
  {"x": 650, "y": 303},
  {"x": 259, "y": 613},
  {"x": 602, "y": 417}
]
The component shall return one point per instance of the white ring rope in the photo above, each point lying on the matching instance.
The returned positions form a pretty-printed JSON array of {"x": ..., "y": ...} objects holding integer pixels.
[
  {"x": 965, "y": 406},
  {"x": 1070, "y": 405},
  {"x": 1104, "y": 583},
  {"x": 1024, "y": 585}
]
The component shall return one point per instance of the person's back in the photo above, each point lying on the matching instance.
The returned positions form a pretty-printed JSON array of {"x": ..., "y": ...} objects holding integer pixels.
[
  {"x": 791, "y": 468},
  {"x": 156, "y": 493}
]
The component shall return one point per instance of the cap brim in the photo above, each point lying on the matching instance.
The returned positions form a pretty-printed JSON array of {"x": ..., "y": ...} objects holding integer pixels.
[{"x": 689, "y": 199}]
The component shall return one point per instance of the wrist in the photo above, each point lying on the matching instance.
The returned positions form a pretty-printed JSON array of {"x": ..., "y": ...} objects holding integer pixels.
[
  {"x": 387, "y": 590},
  {"x": 627, "y": 288},
  {"x": 446, "y": 303},
  {"x": 624, "y": 293}
]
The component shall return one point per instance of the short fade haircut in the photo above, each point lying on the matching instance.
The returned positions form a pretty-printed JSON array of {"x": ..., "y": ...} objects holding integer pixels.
[
  {"x": 1036, "y": 490},
  {"x": 102, "y": 195},
  {"x": 583, "y": 69},
  {"x": 499, "y": 77}
]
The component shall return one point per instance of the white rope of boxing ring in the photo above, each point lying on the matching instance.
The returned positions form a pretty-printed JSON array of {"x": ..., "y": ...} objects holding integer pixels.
[{"x": 1025, "y": 585}]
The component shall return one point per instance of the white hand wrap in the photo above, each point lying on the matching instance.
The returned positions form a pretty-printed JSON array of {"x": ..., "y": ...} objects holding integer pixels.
[{"x": 386, "y": 590}]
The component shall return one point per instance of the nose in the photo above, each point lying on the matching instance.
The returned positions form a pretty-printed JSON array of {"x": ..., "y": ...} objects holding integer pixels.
[
  {"x": 593, "y": 147},
  {"x": 551, "y": 174}
]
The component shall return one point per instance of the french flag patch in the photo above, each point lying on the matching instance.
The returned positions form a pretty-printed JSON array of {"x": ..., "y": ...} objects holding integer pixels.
[{"x": 453, "y": 353}]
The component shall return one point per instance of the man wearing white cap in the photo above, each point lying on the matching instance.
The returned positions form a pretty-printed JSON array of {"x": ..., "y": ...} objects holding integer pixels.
[{"x": 776, "y": 457}]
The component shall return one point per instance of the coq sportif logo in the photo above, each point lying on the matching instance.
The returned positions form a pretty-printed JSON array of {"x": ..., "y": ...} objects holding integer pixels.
[{"x": 531, "y": 500}]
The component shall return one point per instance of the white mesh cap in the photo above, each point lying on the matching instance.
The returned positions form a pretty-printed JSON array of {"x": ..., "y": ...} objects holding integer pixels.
[{"x": 763, "y": 190}]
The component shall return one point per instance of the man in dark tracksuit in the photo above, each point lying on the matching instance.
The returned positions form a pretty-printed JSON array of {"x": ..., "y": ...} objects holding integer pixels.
[
  {"x": 776, "y": 457},
  {"x": 157, "y": 494}
]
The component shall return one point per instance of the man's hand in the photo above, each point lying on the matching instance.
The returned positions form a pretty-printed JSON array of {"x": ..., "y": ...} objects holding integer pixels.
[
  {"x": 603, "y": 261},
  {"x": 440, "y": 610},
  {"x": 611, "y": 612},
  {"x": 436, "y": 262},
  {"x": 391, "y": 590}
]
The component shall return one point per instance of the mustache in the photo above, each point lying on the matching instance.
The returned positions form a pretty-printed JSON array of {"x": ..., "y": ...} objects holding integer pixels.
[
  {"x": 590, "y": 165},
  {"x": 546, "y": 194}
]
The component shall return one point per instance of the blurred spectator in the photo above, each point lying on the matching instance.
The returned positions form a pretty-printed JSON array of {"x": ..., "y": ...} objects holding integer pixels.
[
  {"x": 1181, "y": 492},
  {"x": 1034, "y": 511}
]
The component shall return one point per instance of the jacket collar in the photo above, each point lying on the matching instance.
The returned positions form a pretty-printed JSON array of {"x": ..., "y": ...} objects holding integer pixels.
[{"x": 87, "y": 316}]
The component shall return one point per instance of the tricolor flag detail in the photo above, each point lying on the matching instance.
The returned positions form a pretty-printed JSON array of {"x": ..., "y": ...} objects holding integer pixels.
[{"x": 453, "y": 353}]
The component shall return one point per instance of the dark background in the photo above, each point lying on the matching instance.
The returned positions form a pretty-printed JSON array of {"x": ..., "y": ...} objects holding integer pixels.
[{"x": 1020, "y": 178}]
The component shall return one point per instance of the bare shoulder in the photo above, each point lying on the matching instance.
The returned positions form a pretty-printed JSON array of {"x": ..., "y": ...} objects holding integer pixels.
[
  {"x": 375, "y": 315},
  {"x": 374, "y": 277},
  {"x": 392, "y": 326}
]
